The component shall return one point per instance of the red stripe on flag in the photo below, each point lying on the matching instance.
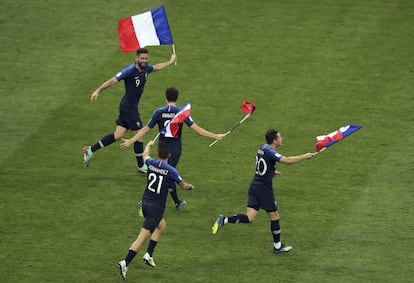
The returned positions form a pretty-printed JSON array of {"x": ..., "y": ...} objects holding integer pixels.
[{"x": 127, "y": 37}]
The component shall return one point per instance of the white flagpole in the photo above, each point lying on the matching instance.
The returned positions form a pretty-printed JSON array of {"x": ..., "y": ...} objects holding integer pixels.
[
  {"x": 319, "y": 151},
  {"x": 173, "y": 49},
  {"x": 232, "y": 128},
  {"x": 156, "y": 137}
]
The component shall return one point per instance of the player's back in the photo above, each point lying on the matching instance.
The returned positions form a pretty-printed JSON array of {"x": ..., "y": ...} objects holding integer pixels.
[{"x": 159, "y": 177}]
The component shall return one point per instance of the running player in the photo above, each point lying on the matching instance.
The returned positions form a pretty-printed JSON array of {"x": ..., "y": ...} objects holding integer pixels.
[
  {"x": 135, "y": 76},
  {"x": 160, "y": 117},
  {"x": 159, "y": 176},
  {"x": 261, "y": 191}
]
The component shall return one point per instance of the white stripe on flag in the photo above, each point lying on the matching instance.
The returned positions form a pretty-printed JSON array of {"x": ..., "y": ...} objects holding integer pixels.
[{"x": 145, "y": 29}]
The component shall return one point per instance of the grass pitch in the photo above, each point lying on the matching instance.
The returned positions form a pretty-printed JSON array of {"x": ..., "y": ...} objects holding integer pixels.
[{"x": 310, "y": 67}]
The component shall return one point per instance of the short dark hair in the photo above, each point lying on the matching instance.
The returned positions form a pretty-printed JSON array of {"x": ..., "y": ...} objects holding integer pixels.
[
  {"x": 163, "y": 150},
  {"x": 171, "y": 94},
  {"x": 142, "y": 51},
  {"x": 271, "y": 135}
]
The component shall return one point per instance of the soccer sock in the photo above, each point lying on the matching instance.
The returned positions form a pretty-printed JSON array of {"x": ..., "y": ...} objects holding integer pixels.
[
  {"x": 238, "y": 218},
  {"x": 151, "y": 247},
  {"x": 275, "y": 228},
  {"x": 105, "y": 141},
  {"x": 131, "y": 254},
  {"x": 139, "y": 149},
  {"x": 174, "y": 195}
]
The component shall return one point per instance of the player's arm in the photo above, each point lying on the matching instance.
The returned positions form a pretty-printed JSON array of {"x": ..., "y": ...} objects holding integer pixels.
[
  {"x": 103, "y": 86},
  {"x": 160, "y": 66},
  {"x": 203, "y": 132},
  {"x": 146, "y": 153},
  {"x": 186, "y": 186},
  {"x": 295, "y": 158},
  {"x": 138, "y": 136}
]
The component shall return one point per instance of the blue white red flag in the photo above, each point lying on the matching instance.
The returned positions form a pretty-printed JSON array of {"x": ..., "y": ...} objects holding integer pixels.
[
  {"x": 325, "y": 141},
  {"x": 173, "y": 126},
  {"x": 147, "y": 29}
]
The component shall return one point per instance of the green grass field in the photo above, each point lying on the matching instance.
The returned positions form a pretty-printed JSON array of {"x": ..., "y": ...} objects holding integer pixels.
[{"x": 309, "y": 66}]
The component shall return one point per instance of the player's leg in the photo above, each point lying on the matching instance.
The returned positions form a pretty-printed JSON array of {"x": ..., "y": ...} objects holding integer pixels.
[
  {"x": 175, "y": 154},
  {"x": 253, "y": 206},
  {"x": 278, "y": 247},
  {"x": 136, "y": 245},
  {"x": 88, "y": 151},
  {"x": 147, "y": 258},
  {"x": 138, "y": 151}
]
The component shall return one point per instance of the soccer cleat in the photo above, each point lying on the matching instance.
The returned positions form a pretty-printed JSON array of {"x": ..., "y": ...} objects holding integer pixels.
[
  {"x": 140, "y": 212},
  {"x": 283, "y": 249},
  {"x": 143, "y": 169},
  {"x": 218, "y": 224},
  {"x": 122, "y": 269},
  {"x": 180, "y": 205},
  {"x": 148, "y": 260},
  {"x": 87, "y": 155}
]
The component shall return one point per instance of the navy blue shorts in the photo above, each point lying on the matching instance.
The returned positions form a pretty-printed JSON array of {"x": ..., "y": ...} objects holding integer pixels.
[
  {"x": 261, "y": 197},
  {"x": 129, "y": 119},
  {"x": 153, "y": 215}
]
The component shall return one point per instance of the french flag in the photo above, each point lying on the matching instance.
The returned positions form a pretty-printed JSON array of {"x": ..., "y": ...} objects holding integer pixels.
[
  {"x": 171, "y": 129},
  {"x": 325, "y": 141},
  {"x": 147, "y": 29}
]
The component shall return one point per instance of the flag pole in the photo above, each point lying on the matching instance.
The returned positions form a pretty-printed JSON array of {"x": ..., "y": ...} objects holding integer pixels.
[
  {"x": 156, "y": 137},
  {"x": 173, "y": 49},
  {"x": 319, "y": 151},
  {"x": 232, "y": 128}
]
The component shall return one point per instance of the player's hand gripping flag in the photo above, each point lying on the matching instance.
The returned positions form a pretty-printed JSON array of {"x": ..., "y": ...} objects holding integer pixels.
[
  {"x": 248, "y": 108},
  {"x": 173, "y": 126},
  {"x": 325, "y": 141}
]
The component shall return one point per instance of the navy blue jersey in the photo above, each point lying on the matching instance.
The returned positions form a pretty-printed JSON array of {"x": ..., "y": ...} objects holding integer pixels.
[
  {"x": 159, "y": 177},
  {"x": 266, "y": 159},
  {"x": 164, "y": 114},
  {"x": 134, "y": 81}
]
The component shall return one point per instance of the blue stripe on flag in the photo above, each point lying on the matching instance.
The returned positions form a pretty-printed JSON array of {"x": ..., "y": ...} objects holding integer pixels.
[{"x": 161, "y": 25}]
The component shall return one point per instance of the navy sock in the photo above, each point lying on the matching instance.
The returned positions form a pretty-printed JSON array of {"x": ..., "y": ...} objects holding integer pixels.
[
  {"x": 174, "y": 195},
  {"x": 151, "y": 247},
  {"x": 105, "y": 141},
  {"x": 275, "y": 228},
  {"x": 130, "y": 256},
  {"x": 238, "y": 218},
  {"x": 139, "y": 149}
]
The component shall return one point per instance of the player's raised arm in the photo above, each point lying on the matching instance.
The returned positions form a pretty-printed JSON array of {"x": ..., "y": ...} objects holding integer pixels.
[
  {"x": 146, "y": 153},
  {"x": 160, "y": 66},
  {"x": 203, "y": 132},
  {"x": 297, "y": 158}
]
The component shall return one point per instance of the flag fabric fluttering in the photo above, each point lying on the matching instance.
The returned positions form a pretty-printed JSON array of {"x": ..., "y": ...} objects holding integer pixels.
[
  {"x": 147, "y": 29},
  {"x": 248, "y": 107},
  {"x": 171, "y": 129},
  {"x": 325, "y": 141}
]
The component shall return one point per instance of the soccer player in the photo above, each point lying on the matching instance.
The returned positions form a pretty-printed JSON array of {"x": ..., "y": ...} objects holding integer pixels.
[
  {"x": 261, "y": 191},
  {"x": 159, "y": 175},
  {"x": 135, "y": 76},
  {"x": 160, "y": 117}
]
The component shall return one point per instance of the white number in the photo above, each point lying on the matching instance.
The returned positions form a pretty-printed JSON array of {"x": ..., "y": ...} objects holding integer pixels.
[
  {"x": 260, "y": 162},
  {"x": 153, "y": 181},
  {"x": 137, "y": 81}
]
